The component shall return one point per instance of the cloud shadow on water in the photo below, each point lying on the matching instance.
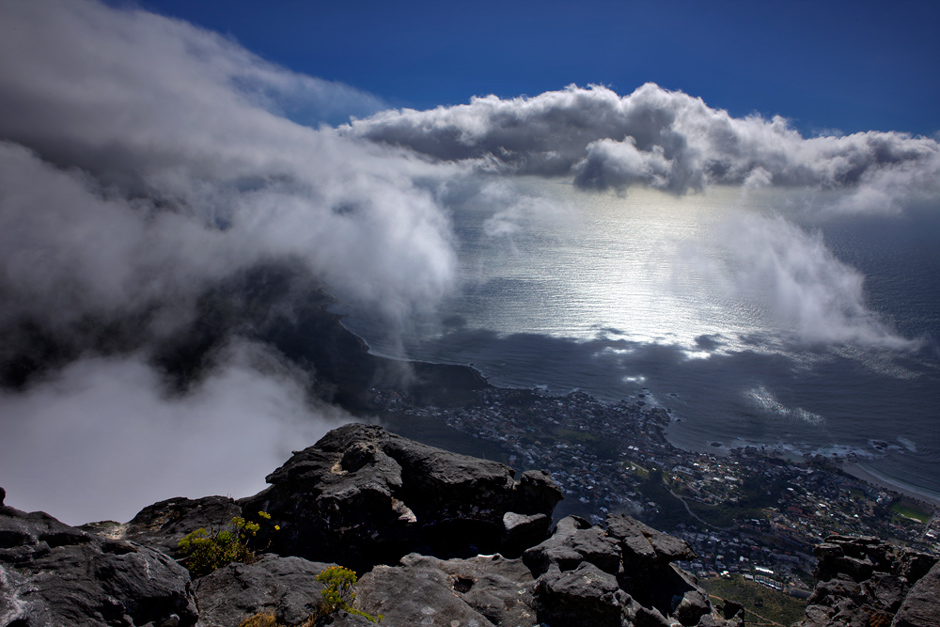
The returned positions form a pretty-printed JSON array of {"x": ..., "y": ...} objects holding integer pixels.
[{"x": 816, "y": 399}]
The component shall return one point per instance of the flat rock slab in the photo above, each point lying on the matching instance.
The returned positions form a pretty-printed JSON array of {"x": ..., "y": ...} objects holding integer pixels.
[
  {"x": 415, "y": 595},
  {"x": 575, "y": 541},
  {"x": 500, "y": 589},
  {"x": 643, "y": 543}
]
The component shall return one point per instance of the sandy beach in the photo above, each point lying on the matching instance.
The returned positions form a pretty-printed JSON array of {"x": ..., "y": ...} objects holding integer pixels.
[{"x": 875, "y": 479}]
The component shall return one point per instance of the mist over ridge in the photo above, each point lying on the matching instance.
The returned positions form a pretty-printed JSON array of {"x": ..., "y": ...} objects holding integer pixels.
[{"x": 148, "y": 165}]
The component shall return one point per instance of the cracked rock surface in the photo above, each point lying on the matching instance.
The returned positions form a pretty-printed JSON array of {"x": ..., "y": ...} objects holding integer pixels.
[
  {"x": 362, "y": 496},
  {"x": 864, "y": 581},
  {"x": 52, "y": 574}
]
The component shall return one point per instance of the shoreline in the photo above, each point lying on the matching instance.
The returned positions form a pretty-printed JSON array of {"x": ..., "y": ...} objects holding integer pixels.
[
  {"x": 853, "y": 469},
  {"x": 467, "y": 377},
  {"x": 856, "y": 470}
]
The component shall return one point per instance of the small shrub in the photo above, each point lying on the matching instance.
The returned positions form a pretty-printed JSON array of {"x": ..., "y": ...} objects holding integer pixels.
[
  {"x": 338, "y": 594},
  {"x": 207, "y": 551},
  {"x": 260, "y": 620}
]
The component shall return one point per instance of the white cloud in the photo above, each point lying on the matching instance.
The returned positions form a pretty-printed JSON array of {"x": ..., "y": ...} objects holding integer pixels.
[
  {"x": 806, "y": 292},
  {"x": 515, "y": 210},
  {"x": 758, "y": 177},
  {"x": 155, "y": 108},
  {"x": 658, "y": 138},
  {"x": 143, "y": 160},
  {"x": 101, "y": 441}
]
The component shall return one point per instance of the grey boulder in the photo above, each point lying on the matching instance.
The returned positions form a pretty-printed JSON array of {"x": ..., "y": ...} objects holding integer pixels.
[
  {"x": 52, "y": 574},
  {"x": 362, "y": 496},
  {"x": 284, "y": 586},
  {"x": 864, "y": 581}
]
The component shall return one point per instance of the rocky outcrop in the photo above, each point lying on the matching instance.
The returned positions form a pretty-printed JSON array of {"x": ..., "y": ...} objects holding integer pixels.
[
  {"x": 286, "y": 587},
  {"x": 585, "y": 596},
  {"x": 576, "y": 577},
  {"x": 865, "y": 582},
  {"x": 162, "y": 524},
  {"x": 362, "y": 496},
  {"x": 445, "y": 540},
  {"x": 621, "y": 575},
  {"x": 921, "y": 606},
  {"x": 52, "y": 574},
  {"x": 442, "y": 539}
]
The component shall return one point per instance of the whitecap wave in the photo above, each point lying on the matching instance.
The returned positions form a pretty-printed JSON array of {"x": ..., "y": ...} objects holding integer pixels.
[{"x": 764, "y": 400}]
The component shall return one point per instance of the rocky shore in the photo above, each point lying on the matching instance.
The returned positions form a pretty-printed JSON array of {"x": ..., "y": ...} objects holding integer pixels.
[{"x": 438, "y": 538}]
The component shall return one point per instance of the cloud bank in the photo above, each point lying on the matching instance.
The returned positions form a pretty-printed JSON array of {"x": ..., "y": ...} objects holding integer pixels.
[
  {"x": 144, "y": 163},
  {"x": 142, "y": 156},
  {"x": 806, "y": 292},
  {"x": 658, "y": 138},
  {"x": 101, "y": 441}
]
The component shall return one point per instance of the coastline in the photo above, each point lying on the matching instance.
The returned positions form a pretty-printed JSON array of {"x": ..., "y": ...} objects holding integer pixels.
[
  {"x": 868, "y": 476},
  {"x": 450, "y": 384}
]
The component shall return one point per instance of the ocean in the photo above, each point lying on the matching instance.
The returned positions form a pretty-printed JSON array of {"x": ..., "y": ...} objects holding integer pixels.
[{"x": 763, "y": 317}]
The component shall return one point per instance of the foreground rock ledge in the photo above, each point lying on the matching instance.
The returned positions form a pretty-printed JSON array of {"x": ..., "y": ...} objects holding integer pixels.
[
  {"x": 362, "y": 496},
  {"x": 866, "y": 582},
  {"x": 52, "y": 574},
  {"x": 442, "y": 539}
]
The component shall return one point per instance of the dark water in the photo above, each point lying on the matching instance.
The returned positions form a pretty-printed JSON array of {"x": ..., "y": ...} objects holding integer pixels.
[{"x": 754, "y": 322}]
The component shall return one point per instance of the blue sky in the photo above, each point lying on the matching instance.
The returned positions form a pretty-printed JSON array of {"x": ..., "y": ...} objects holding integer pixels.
[{"x": 849, "y": 66}]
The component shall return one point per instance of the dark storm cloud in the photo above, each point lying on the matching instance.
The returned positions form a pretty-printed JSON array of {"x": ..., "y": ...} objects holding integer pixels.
[{"x": 658, "y": 138}]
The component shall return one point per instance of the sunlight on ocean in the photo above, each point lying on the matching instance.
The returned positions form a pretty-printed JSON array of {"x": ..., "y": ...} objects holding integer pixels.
[{"x": 757, "y": 316}]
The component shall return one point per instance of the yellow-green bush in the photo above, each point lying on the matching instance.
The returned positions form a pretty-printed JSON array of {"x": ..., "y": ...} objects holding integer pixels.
[
  {"x": 338, "y": 594},
  {"x": 205, "y": 551}
]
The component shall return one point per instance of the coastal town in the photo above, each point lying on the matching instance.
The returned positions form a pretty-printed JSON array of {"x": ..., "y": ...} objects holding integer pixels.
[{"x": 747, "y": 511}]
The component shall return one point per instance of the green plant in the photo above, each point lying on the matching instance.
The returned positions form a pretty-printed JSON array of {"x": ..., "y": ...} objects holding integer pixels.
[
  {"x": 338, "y": 594},
  {"x": 761, "y": 604},
  {"x": 205, "y": 551}
]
